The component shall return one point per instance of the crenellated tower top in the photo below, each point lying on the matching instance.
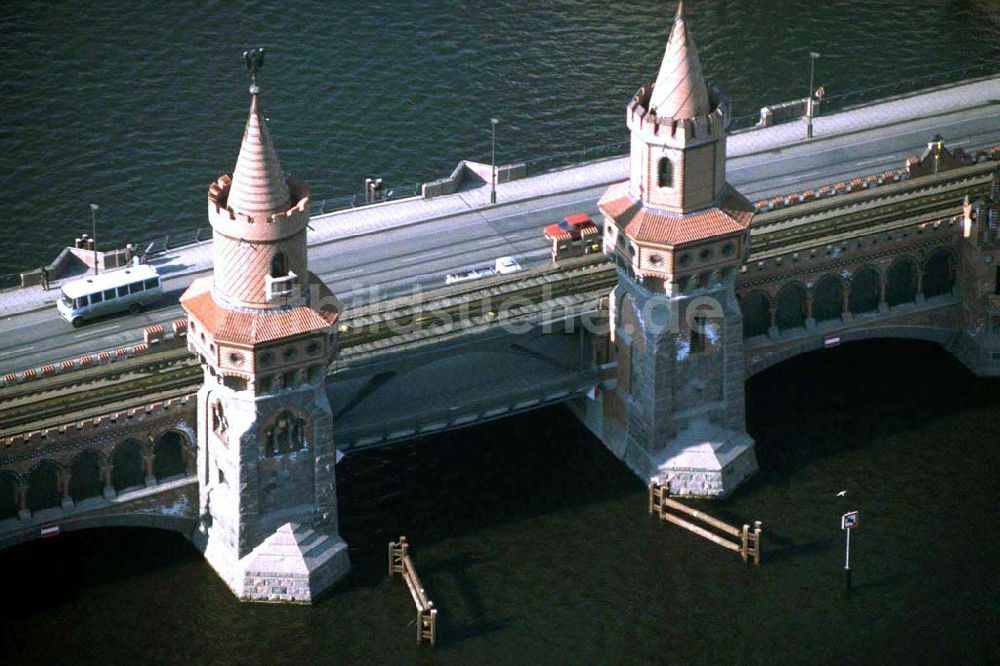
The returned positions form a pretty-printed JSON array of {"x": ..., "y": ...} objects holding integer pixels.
[
  {"x": 676, "y": 222},
  {"x": 261, "y": 295}
]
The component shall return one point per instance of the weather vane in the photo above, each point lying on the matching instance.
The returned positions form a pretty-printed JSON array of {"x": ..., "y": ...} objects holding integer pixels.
[{"x": 254, "y": 59}]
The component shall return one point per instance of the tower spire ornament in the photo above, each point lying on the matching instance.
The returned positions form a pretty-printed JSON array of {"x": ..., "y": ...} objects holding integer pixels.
[{"x": 254, "y": 59}]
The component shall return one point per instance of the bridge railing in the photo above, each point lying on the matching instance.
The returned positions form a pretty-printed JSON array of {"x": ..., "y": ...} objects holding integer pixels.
[{"x": 910, "y": 84}]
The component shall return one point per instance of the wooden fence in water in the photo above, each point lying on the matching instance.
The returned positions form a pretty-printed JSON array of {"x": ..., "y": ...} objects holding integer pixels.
[
  {"x": 748, "y": 545},
  {"x": 401, "y": 563}
]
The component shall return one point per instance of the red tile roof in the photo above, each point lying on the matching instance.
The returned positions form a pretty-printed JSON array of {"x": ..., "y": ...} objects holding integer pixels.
[
  {"x": 731, "y": 215},
  {"x": 250, "y": 327}
]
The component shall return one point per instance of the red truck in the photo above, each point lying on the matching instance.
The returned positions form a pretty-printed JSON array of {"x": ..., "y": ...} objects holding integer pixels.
[{"x": 575, "y": 235}]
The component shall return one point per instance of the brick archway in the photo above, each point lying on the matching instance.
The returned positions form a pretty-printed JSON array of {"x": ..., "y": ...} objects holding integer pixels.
[
  {"x": 791, "y": 306},
  {"x": 85, "y": 478},
  {"x": 865, "y": 291},
  {"x": 828, "y": 298},
  {"x": 171, "y": 455},
  {"x": 756, "y": 309},
  {"x": 43, "y": 487},
  {"x": 128, "y": 469},
  {"x": 939, "y": 274},
  {"x": 8, "y": 495},
  {"x": 901, "y": 282}
]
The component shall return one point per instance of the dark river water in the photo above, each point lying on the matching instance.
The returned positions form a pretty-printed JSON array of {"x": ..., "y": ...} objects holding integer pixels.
[
  {"x": 536, "y": 545},
  {"x": 137, "y": 106},
  {"x": 532, "y": 540}
]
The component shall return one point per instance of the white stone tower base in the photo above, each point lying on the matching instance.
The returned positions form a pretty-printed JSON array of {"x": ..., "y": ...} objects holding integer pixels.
[
  {"x": 703, "y": 460},
  {"x": 296, "y": 564}
]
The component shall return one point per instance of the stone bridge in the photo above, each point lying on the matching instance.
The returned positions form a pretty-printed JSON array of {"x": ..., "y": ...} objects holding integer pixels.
[
  {"x": 906, "y": 255},
  {"x": 134, "y": 470},
  {"x": 899, "y": 255}
]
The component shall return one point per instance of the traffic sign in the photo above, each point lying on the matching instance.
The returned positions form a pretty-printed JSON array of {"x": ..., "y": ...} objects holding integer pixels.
[{"x": 849, "y": 520}]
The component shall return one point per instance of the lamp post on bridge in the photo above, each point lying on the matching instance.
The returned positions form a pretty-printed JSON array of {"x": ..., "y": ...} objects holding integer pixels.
[
  {"x": 493, "y": 161},
  {"x": 93, "y": 232},
  {"x": 809, "y": 100}
]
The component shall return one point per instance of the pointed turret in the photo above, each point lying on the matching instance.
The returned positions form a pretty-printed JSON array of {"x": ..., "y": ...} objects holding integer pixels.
[
  {"x": 680, "y": 90},
  {"x": 259, "y": 185}
]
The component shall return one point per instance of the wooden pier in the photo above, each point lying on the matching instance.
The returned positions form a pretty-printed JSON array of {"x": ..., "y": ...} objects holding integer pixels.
[
  {"x": 401, "y": 563},
  {"x": 748, "y": 545}
]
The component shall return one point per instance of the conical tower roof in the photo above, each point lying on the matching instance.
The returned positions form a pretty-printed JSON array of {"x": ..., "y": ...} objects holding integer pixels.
[
  {"x": 259, "y": 186},
  {"x": 680, "y": 90}
]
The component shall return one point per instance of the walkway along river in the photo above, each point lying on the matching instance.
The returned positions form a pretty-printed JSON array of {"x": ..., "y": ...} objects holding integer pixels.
[{"x": 536, "y": 545}]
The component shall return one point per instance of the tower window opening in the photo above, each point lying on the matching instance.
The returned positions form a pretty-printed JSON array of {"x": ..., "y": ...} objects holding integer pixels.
[
  {"x": 698, "y": 335},
  {"x": 278, "y": 267},
  {"x": 284, "y": 435},
  {"x": 666, "y": 172}
]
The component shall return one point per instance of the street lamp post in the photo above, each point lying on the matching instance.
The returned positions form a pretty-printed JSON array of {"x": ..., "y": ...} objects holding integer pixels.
[
  {"x": 493, "y": 161},
  {"x": 809, "y": 100},
  {"x": 93, "y": 232}
]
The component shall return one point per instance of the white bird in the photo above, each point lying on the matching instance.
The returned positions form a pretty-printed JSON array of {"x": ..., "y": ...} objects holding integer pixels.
[{"x": 842, "y": 493}]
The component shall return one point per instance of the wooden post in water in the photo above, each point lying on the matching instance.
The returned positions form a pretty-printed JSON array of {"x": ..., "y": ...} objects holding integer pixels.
[
  {"x": 756, "y": 542},
  {"x": 401, "y": 563}
]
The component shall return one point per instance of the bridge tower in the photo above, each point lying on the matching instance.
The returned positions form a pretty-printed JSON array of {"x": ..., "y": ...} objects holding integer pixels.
[
  {"x": 263, "y": 328},
  {"x": 678, "y": 234}
]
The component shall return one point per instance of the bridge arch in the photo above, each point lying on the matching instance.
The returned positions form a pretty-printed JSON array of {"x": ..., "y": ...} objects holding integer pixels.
[
  {"x": 85, "y": 475},
  {"x": 828, "y": 298},
  {"x": 939, "y": 273},
  {"x": 941, "y": 336},
  {"x": 865, "y": 290},
  {"x": 756, "y": 308},
  {"x": 901, "y": 282},
  {"x": 184, "y": 525},
  {"x": 127, "y": 468},
  {"x": 791, "y": 306},
  {"x": 172, "y": 455},
  {"x": 9, "y": 503},
  {"x": 44, "y": 490}
]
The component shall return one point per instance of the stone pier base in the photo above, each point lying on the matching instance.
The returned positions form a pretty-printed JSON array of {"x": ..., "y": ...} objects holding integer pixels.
[
  {"x": 703, "y": 460},
  {"x": 296, "y": 564}
]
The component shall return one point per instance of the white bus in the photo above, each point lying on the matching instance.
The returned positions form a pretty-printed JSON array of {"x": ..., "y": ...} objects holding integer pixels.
[{"x": 128, "y": 289}]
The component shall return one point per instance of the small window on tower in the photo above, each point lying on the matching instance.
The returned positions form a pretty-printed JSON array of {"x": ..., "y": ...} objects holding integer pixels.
[
  {"x": 666, "y": 176},
  {"x": 698, "y": 335},
  {"x": 278, "y": 268}
]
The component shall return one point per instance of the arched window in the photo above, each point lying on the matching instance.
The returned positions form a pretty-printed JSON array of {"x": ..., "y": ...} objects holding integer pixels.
[
  {"x": 828, "y": 299},
  {"x": 666, "y": 172},
  {"x": 278, "y": 267},
  {"x": 791, "y": 306},
  {"x": 756, "y": 309},
  {"x": 284, "y": 435}
]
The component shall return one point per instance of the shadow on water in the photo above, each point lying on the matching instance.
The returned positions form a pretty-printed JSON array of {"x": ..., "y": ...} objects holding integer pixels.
[
  {"x": 50, "y": 573},
  {"x": 472, "y": 479},
  {"x": 831, "y": 401}
]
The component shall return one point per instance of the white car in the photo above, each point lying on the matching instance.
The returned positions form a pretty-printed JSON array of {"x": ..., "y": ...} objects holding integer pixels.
[{"x": 502, "y": 266}]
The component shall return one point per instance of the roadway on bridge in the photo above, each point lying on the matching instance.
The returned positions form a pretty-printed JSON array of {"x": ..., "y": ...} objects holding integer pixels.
[{"x": 418, "y": 256}]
